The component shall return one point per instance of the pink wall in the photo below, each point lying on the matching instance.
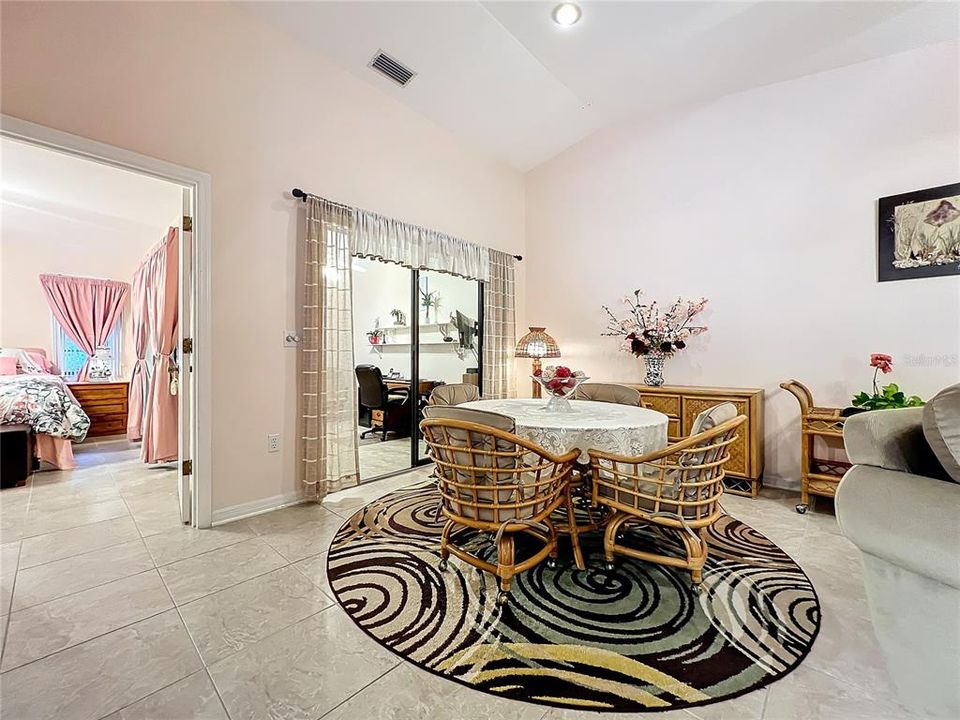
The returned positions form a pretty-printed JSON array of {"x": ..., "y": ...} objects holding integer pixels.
[
  {"x": 37, "y": 242},
  {"x": 208, "y": 86},
  {"x": 765, "y": 202}
]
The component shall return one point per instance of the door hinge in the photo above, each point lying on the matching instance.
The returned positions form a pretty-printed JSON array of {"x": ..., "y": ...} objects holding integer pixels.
[
  {"x": 187, "y": 346},
  {"x": 187, "y": 467},
  {"x": 187, "y": 223}
]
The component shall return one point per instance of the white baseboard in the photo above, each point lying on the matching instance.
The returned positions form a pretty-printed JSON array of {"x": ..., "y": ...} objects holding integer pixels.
[{"x": 257, "y": 507}]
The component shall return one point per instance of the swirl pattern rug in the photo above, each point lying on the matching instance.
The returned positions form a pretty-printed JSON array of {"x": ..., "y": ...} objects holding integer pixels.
[{"x": 637, "y": 638}]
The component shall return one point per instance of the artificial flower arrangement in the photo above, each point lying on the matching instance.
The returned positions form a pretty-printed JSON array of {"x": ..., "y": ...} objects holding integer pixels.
[
  {"x": 653, "y": 335},
  {"x": 889, "y": 396},
  {"x": 646, "y": 330}
]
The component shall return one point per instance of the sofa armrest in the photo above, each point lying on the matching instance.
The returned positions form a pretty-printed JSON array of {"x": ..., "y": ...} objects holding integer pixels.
[
  {"x": 892, "y": 440},
  {"x": 909, "y": 520}
]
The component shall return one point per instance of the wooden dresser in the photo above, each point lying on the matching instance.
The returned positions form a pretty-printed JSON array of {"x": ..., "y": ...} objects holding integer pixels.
[
  {"x": 105, "y": 403},
  {"x": 682, "y": 404}
]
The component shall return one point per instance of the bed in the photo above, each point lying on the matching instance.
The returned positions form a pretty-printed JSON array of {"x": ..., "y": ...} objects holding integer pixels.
[{"x": 43, "y": 401}]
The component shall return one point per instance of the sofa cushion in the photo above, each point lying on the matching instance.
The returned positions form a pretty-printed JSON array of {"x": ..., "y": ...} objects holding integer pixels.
[
  {"x": 941, "y": 428},
  {"x": 908, "y": 520},
  {"x": 891, "y": 439}
]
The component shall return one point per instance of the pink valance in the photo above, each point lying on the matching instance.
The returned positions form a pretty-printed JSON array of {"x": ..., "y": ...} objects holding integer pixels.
[{"x": 88, "y": 309}]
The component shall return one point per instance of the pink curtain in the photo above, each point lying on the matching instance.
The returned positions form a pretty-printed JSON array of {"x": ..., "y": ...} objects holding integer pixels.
[
  {"x": 87, "y": 309},
  {"x": 139, "y": 379},
  {"x": 162, "y": 281}
]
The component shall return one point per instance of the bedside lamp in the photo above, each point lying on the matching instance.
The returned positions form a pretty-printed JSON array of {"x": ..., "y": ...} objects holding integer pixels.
[{"x": 537, "y": 344}]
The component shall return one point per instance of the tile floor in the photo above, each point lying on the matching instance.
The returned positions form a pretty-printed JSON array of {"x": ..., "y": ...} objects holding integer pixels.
[
  {"x": 110, "y": 608},
  {"x": 382, "y": 458}
]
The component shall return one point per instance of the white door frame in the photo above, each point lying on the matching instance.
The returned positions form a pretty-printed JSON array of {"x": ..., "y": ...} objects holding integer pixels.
[{"x": 199, "y": 183}]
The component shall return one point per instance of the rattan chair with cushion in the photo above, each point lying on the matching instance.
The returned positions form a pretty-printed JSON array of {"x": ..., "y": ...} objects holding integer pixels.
[
  {"x": 580, "y": 488},
  {"x": 454, "y": 394},
  {"x": 609, "y": 392},
  {"x": 493, "y": 481},
  {"x": 677, "y": 488}
]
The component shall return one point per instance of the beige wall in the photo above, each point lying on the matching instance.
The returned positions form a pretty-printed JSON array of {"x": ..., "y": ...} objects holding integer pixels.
[
  {"x": 765, "y": 202},
  {"x": 208, "y": 86}
]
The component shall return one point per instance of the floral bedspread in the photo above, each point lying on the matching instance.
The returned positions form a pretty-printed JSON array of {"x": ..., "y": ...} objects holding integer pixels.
[{"x": 44, "y": 403}]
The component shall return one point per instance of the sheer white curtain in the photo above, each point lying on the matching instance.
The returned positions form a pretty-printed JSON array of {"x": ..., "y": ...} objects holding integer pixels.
[
  {"x": 328, "y": 391},
  {"x": 499, "y": 327},
  {"x": 413, "y": 246}
]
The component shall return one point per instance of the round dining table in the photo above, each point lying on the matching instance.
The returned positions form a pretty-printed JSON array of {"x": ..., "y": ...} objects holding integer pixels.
[
  {"x": 626, "y": 430},
  {"x": 614, "y": 428}
]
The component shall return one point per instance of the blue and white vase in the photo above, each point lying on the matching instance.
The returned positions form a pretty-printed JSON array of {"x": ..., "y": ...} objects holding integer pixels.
[{"x": 654, "y": 364}]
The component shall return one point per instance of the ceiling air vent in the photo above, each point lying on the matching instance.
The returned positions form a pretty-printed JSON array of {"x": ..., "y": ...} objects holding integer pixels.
[{"x": 386, "y": 65}]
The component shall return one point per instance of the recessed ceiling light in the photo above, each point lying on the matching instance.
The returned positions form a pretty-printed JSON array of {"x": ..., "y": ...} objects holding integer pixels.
[{"x": 566, "y": 14}]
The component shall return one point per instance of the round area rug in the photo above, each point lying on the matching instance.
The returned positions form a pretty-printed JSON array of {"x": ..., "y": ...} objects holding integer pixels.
[{"x": 637, "y": 638}]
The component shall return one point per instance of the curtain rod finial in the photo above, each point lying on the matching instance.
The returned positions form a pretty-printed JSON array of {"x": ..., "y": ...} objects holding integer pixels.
[{"x": 298, "y": 193}]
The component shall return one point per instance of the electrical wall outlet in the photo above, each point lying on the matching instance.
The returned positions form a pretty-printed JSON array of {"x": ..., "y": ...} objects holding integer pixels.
[{"x": 273, "y": 443}]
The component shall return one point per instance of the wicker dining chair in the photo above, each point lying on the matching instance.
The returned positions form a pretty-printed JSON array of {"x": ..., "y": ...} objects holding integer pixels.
[
  {"x": 454, "y": 394},
  {"x": 609, "y": 392},
  {"x": 677, "y": 488},
  {"x": 493, "y": 481}
]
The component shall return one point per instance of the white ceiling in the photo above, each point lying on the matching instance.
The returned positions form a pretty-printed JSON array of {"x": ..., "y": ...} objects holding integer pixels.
[
  {"x": 54, "y": 183},
  {"x": 505, "y": 77}
]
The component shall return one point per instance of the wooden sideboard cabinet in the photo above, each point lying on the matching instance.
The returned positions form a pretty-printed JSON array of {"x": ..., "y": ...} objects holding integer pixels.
[
  {"x": 682, "y": 404},
  {"x": 106, "y": 405}
]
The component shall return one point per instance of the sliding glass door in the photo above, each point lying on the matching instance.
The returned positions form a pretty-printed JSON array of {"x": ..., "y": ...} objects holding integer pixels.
[
  {"x": 413, "y": 330},
  {"x": 448, "y": 339}
]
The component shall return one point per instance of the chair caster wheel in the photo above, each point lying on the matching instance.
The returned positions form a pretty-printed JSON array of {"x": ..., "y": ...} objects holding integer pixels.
[
  {"x": 442, "y": 567},
  {"x": 697, "y": 588},
  {"x": 801, "y": 508},
  {"x": 552, "y": 563},
  {"x": 503, "y": 598},
  {"x": 609, "y": 566}
]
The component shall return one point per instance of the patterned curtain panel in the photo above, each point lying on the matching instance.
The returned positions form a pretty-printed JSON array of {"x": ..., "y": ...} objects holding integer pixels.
[
  {"x": 328, "y": 392},
  {"x": 499, "y": 328}
]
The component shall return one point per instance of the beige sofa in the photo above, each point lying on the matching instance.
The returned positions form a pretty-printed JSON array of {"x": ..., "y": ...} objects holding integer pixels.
[{"x": 900, "y": 504}]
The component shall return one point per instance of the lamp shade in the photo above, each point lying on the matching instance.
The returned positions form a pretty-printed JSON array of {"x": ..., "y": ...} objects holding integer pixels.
[{"x": 537, "y": 344}]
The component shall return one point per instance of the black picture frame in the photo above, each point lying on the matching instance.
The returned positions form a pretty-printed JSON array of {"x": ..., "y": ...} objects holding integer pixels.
[{"x": 887, "y": 230}]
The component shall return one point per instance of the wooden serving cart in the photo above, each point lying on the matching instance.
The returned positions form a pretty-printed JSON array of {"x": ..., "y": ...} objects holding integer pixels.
[{"x": 818, "y": 476}]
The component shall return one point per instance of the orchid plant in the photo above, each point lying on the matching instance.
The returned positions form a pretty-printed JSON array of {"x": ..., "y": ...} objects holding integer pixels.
[
  {"x": 647, "y": 330},
  {"x": 889, "y": 396}
]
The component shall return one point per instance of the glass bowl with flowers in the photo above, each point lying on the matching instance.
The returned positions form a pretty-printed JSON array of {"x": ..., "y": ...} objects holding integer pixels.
[{"x": 559, "y": 383}]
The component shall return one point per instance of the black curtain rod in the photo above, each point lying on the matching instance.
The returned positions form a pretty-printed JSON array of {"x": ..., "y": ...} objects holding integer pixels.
[{"x": 302, "y": 195}]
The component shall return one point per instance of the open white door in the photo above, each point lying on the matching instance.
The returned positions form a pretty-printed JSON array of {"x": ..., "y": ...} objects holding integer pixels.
[{"x": 185, "y": 360}]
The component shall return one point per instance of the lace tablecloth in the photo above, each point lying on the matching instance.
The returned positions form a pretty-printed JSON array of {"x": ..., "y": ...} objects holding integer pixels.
[{"x": 620, "y": 429}]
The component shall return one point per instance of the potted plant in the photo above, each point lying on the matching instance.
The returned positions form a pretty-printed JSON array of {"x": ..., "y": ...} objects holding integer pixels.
[
  {"x": 428, "y": 300},
  {"x": 884, "y": 398},
  {"x": 376, "y": 337},
  {"x": 399, "y": 317},
  {"x": 652, "y": 335}
]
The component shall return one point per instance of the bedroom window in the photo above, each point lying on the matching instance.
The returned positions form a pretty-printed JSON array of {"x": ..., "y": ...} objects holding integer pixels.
[{"x": 70, "y": 357}]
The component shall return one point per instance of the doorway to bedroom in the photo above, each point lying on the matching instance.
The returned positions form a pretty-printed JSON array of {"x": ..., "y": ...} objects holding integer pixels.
[{"x": 96, "y": 323}]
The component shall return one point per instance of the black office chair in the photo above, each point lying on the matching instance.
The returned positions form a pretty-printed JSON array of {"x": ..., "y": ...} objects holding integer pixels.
[{"x": 389, "y": 410}]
